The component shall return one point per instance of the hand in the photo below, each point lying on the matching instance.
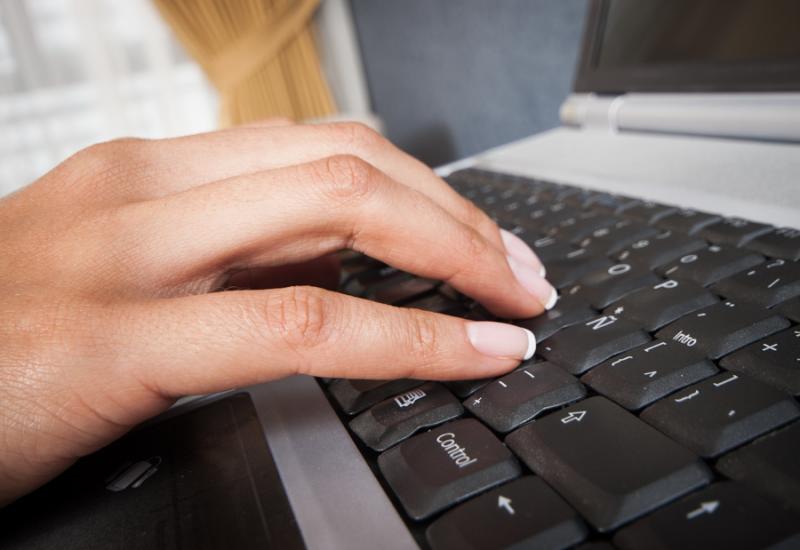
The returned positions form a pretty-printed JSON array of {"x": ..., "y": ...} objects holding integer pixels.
[{"x": 110, "y": 260}]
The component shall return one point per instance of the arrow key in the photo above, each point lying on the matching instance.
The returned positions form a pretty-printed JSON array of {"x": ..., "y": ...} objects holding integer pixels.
[
  {"x": 525, "y": 513},
  {"x": 724, "y": 515}
]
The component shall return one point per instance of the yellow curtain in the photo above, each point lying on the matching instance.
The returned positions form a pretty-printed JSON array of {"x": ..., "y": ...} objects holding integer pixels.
[{"x": 259, "y": 54}]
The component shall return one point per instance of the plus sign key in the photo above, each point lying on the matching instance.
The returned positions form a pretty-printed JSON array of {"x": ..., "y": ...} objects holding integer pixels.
[
  {"x": 525, "y": 513},
  {"x": 774, "y": 360}
]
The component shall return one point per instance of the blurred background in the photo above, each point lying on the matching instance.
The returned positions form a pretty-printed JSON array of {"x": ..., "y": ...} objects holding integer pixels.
[{"x": 441, "y": 78}]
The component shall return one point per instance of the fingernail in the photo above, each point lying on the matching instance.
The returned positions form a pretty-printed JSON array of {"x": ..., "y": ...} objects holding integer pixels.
[
  {"x": 501, "y": 340},
  {"x": 519, "y": 249},
  {"x": 534, "y": 283}
]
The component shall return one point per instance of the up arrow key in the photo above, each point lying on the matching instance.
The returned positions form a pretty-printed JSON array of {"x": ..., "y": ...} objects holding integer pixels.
[
  {"x": 704, "y": 508},
  {"x": 504, "y": 502},
  {"x": 574, "y": 416}
]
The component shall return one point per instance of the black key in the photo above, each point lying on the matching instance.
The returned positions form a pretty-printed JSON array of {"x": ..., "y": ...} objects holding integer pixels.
[
  {"x": 607, "y": 463},
  {"x": 711, "y": 264},
  {"x": 439, "y": 304},
  {"x": 768, "y": 284},
  {"x": 769, "y": 466},
  {"x": 572, "y": 266},
  {"x": 400, "y": 291},
  {"x": 581, "y": 347},
  {"x": 395, "y": 419},
  {"x": 439, "y": 468},
  {"x": 525, "y": 513},
  {"x": 724, "y": 515},
  {"x": 515, "y": 398},
  {"x": 465, "y": 388},
  {"x": 606, "y": 285},
  {"x": 734, "y": 231},
  {"x": 354, "y": 396},
  {"x": 723, "y": 327},
  {"x": 660, "y": 249},
  {"x": 638, "y": 377},
  {"x": 649, "y": 212},
  {"x": 549, "y": 248},
  {"x": 720, "y": 413},
  {"x": 660, "y": 304},
  {"x": 582, "y": 225},
  {"x": 790, "y": 309},
  {"x": 774, "y": 360},
  {"x": 610, "y": 240},
  {"x": 779, "y": 243},
  {"x": 357, "y": 283},
  {"x": 688, "y": 221},
  {"x": 568, "y": 311},
  {"x": 547, "y": 216}
]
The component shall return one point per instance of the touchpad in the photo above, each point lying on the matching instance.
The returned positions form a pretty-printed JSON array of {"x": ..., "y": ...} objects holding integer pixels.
[{"x": 202, "y": 479}]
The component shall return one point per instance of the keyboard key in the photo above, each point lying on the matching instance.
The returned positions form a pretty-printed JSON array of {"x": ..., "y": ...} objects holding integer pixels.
[
  {"x": 779, "y": 243},
  {"x": 720, "y": 413},
  {"x": 582, "y": 225},
  {"x": 769, "y": 466},
  {"x": 660, "y": 249},
  {"x": 548, "y": 248},
  {"x": 567, "y": 269},
  {"x": 688, "y": 221},
  {"x": 434, "y": 470},
  {"x": 606, "y": 285},
  {"x": 581, "y": 347},
  {"x": 640, "y": 376},
  {"x": 649, "y": 212},
  {"x": 709, "y": 265},
  {"x": 465, "y": 388},
  {"x": 568, "y": 311},
  {"x": 397, "y": 418},
  {"x": 354, "y": 396},
  {"x": 724, "y": 515},
  {"x": 544, "y": 217},
  {"x": 525, "y": 513},
  {"x": 439, "y": 303},
  {"x": 610, "y": 240},
  {"x": 397, "y": 292},
  {"x": 766, "y": 285},
  {"x": 734, "y": 231},
  {"x": 660, "y": 304},
  {"x": 774, "y": 360},
  {"x": 515, "y": 398},
  {"x": 607, "y": 463},
  {"x": 723, "y": 327},
  {"x": 790, "y": 309}
]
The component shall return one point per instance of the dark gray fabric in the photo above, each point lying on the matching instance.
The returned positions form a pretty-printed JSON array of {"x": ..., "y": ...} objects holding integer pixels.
[{"x": 453, "y": 77}]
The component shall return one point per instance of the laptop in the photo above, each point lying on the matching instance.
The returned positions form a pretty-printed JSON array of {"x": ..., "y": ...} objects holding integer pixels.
[{"x": 660, "y": 410}]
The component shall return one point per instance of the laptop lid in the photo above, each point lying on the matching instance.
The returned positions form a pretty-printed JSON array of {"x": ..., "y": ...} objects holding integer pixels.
[{"x": 710, "y": 67}]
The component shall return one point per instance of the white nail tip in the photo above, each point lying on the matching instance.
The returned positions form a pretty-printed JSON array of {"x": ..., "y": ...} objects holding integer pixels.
[
  {"x": 531, "y": 345},
  {"x": 542, "y": 272},
  {"x": 552, "y": 301}
]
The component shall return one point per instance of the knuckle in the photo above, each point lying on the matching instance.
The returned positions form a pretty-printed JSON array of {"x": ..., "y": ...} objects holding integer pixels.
[
  {"x": 299, "y": 316},
  {"x": 476, "y": 246},
  {"x": 347, "y": 178},
  {"x": 357, "y": 137},
  {"x": 423, "y": 339}
]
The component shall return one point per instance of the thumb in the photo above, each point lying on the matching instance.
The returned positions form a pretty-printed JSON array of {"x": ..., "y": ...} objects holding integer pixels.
[{"x": 212, "y": 342}]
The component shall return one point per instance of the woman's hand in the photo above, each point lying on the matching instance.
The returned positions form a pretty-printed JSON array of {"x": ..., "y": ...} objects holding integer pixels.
[{"x": 109, "y": 261}]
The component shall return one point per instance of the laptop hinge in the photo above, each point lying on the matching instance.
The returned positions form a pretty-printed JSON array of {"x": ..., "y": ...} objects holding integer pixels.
[{"x": 762, "y": 116}]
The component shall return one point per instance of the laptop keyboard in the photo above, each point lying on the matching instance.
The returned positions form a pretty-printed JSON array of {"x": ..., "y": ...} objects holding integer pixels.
[{"x": 659, "y": 411}]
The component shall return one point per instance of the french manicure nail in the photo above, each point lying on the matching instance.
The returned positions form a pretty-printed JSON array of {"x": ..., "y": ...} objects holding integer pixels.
[
  {"x": 501, "y": 340},
  {"x": 519, "y": 249},
  {"x": 533, "y": 283}
]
